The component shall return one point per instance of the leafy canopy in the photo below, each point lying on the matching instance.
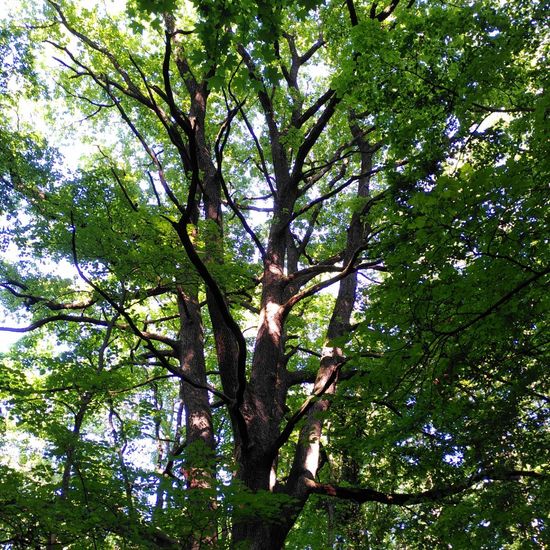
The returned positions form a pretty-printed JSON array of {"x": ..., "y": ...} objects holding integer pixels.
[{"x": 418, "y": 129}]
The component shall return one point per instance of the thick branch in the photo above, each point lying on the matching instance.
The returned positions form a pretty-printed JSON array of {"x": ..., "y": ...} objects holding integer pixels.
[
  {"x": 385, "y": 13},
  {"x": 313, "y": 136},
  {"x": 361, "y": 495},
  {"x": 304, "y": 408},
  {"x": 310, "y": 111},
  {"x": 352, "y": 13}
]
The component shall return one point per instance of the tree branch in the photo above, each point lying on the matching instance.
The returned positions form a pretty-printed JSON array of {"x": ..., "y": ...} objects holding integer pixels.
[
  {"x": 385, "y": 13},
  {"x": 53, "y": 319},
  {"x": 312, "y": 136},
  {"x": 361, "y": 495},
  {"x": 310, "y": 111},
  {"x": 352, "y": 13},
  {"x": 181, "y": 230},
  {"x": 347, "y": 270},
  {"x": 508, "y": 296},
  {"x": 304, "y": 408},
  {"x": 146, "y": 337},
  {"x": 31, "y": 299},
  {"x": 341, "y": 187}
]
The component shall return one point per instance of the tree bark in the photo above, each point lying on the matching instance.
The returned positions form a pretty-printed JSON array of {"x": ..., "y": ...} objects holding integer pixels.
[{"x": 307, "y": 455}]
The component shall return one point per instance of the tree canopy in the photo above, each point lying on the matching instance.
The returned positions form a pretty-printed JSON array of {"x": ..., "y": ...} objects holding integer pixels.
[{"x": 280, "y": 271}]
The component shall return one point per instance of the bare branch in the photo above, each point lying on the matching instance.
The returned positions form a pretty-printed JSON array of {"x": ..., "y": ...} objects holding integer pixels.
[
  {"x": 242, "y": 219},
  {"x": 55, "y": 318},
  {"x": 133, "y": 205},
  {"x": 260, "y": 150},
  {"x": 141, "y": 384},
  {"x": 219, "y": 158},
  {"x": 319, "y": 43}
]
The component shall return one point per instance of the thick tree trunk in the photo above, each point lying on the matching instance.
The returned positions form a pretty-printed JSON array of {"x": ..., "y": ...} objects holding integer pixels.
[
  {"x": 307, "y": 455},
  {"x": 264, "y": 398}
]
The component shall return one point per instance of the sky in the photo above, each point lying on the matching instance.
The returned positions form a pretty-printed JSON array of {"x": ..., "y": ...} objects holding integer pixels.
[{"x": 7, "y": 339}]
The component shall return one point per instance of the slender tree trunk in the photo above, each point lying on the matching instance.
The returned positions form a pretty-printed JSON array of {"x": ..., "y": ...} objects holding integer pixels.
[{"x": 200, "y": 444}]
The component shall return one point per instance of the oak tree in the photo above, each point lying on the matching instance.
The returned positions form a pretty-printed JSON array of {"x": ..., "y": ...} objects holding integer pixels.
[{"x": 280, "y": 271}]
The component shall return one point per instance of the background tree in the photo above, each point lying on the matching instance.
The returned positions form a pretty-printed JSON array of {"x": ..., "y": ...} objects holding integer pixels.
[{"x": 293, "y": 289}]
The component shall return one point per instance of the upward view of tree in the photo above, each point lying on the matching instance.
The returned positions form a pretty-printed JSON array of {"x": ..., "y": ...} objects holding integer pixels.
[{"x": 280, "y": 270}]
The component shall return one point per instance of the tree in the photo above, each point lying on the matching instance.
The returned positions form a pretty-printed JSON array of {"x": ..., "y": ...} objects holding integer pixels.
[{"x": 294, "y": 289}]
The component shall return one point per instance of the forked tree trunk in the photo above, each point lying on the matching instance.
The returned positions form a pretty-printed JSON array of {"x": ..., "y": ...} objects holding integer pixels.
[{"x": 271, "y": 536}]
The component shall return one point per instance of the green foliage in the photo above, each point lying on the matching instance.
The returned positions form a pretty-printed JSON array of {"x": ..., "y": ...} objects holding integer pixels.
[{"x": 446, "y": 349}]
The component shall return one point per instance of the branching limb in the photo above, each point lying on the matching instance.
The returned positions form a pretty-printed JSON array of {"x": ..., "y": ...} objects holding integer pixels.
[
  {"x": 304, "y": 408},
  {"x": 300, "y": 278},
  {"x": 55, "y": 318},
  {"x": 278, "y": 152},
  {"x": 31, "y": 299},
  {"x": 132, "y": 204},
  {"x": 351, "y": 267},
  {"x": 219, "y": 146},
  {"x": 183, "y": 122},
  {"x": 314, "y": 173},
  {"x": 291, "y": 76},
  {"x": 385, "y": 13},
  {"x": 100, "y": 49},
  {"x": 106, "y": 85},
  {"x": 242, "y": 219},
  {"x": 313, "y": 109},
  {"x": 145, "y": 337},
  {"x": 305, "y": 57},
  {"x": 181, "y": 230},
  {"x": 363, "y": 494},
  {"x": 312, "y": 137},
  {"x": 341, "y": 187},
  {"x": 84, "y": 319},
  {"x": 308, "y": 377},
  {"x": 149, "y": 150},
  {"x": 260, "y": 150}
]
